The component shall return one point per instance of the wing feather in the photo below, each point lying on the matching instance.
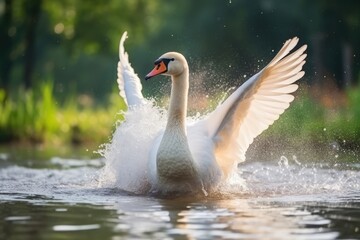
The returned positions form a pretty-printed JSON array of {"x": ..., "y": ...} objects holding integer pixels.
[
  {"x": 293, "y": 56},
  {"x": 284, "y": 80},
  {"x": 277, "y": 98},
  {"x": 128, "y": 81},
  {"x": 255, "y": 105}
]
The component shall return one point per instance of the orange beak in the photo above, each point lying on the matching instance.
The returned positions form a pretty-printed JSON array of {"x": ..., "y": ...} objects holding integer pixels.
[{"x": 158, "y": 69}]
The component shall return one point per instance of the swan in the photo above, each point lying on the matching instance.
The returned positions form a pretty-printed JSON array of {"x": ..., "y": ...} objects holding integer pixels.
[{"x": 201, "y": 156}]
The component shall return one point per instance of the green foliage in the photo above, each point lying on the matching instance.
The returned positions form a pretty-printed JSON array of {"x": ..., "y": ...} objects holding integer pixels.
[
  {"x": 31, "y": 115},
  {"x": 304, "y": 119},
  {"x": 35, "y": 116},
  {"x": 75, "y": 36},
  {"x": 308, "y": 119},
  {"x": 354, "y": 103},
  {"x": 76, "y": 46},
  {"x": 348, "y": 123}
]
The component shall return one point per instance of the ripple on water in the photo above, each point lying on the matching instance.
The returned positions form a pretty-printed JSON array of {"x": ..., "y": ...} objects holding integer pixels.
[
  {"x": 282, "y": 201},
  {"x": 17, "y": 218},
  {"x": 67, "y": 228}
]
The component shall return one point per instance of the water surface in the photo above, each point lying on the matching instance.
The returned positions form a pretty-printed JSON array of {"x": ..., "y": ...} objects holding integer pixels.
[{"x": 43, "y": 196}]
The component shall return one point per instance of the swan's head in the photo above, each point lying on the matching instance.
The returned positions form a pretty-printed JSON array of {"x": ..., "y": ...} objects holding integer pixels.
[{"x": 170, "y": 64}]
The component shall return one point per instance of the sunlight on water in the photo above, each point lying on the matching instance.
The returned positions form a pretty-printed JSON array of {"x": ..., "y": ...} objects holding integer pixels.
[
  {"x": 66, "y": 228},
  {"x": 297, "y": 178},
  {"x": 287, "y": 177},
  {"x": 286, "y": 198}
]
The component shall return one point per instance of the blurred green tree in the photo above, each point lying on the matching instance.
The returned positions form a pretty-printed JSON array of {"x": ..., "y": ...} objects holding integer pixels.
[
  {"x": 62, "y": 40},
  {"x": 75, "y": 43},
  {"x": 6, "y": 44}
]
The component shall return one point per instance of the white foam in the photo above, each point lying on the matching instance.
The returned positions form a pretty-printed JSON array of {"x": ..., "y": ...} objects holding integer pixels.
[{"x": 127, "y": 153}]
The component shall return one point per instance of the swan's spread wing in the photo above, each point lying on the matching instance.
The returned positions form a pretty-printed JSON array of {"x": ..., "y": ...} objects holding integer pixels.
[
  {"x": 128, "y": 81},
  {"x": 254, "y": 106}
]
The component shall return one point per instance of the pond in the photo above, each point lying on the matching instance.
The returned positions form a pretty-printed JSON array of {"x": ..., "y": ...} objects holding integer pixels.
[{"x": 45, "y": 196}]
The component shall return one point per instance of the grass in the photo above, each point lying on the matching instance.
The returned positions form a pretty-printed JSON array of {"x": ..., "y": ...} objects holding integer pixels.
[{"x": 36, "y": 116}]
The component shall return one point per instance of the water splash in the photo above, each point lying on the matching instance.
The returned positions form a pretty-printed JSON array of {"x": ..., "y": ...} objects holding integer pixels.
[
  {"x": 296, "y": 178},
  {"x": 133, "y": 139},
  {"x": 84, "y": 181}
]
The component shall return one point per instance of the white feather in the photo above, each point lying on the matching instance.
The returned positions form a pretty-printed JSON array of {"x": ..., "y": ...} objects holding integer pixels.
[
  {"x": 219, "y": 141},
  {"x": 128, "y": 81},
  {"x": 254, "y": 106}
]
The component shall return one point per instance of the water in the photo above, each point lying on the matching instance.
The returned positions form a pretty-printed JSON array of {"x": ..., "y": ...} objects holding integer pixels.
[{"x": 47, "y": 197}]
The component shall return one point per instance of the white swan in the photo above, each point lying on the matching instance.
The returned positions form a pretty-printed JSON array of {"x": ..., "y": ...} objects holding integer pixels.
[{"x": 201, "y": 156}]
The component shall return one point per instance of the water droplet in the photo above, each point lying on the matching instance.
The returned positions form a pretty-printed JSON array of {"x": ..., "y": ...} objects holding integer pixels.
[
  {"x": 229, "y": 65},
  {"x": 336, "y": 156},
  {"x": 272, "y": 50},
  {"x": 230, "y": 1},
  {"x": 324, "y": 129},
  {"x": 283, "y": 162},
  {"x": 244, "y": 75},
  {"x": 295, "y": 160}
]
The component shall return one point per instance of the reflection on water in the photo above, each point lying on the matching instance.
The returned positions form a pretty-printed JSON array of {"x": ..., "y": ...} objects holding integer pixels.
[
  {"x": 59, "y": 199},
  {"x": 140, "y": 217}
]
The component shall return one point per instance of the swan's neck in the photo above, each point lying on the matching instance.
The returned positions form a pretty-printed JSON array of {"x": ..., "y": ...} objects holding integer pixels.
[
  {"x": 178, "y": 102},
  {"x": 174, "y": 160}
]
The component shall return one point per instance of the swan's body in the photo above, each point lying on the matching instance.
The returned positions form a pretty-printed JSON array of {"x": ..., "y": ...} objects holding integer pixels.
[{"x": 201, "y": 156}]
